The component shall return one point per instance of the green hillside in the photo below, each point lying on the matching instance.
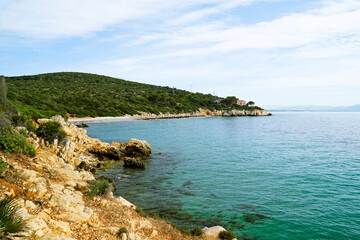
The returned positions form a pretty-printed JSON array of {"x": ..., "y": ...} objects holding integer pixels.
[{"x": 84, "y": 94}]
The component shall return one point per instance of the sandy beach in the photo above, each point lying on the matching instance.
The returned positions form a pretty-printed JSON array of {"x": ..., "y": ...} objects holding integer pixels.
[{"x": 100, "y": 119}]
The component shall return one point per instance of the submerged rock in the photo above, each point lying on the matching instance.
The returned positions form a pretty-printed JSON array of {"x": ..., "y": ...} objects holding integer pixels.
[
  {"x": 252, "y": 218},
  {"x": 82, "y": 125},
  {"x": 133, "y": 163}
]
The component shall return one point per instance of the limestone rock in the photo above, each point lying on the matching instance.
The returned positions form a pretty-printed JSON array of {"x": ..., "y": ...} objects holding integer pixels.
[
  {"x": 153, "y": 234},
  {"x": 137, "y": 148},
  {"x": 125, "y": 202},
  {"x": 213, "y": 231},
  {"x": 123, "y": 236},
  {"x": 58, "y": 119}
]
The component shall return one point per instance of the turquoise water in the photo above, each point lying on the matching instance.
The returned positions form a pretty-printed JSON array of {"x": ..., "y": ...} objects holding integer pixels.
[{"x": 288, "y": 176}]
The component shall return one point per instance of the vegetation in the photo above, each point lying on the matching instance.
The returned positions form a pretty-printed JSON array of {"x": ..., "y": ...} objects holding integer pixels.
[
  {"x": 10, "y": 220},
  {"x": 196, "y": 231},
  {"x": 2, "y": 166},
  {"x": 122, "y": 230},
  {"x": 83, "y": 94},
  {"x": 227, "y": 235},
  {"x": 50, "y": 131},
  {"x": 99, "y": 187},
  {"x": 140, "y": 211},
  {"x": 11, "y": 141}
]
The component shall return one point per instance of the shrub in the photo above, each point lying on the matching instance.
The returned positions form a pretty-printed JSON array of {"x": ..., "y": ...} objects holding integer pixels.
[
  {"x": 140, "y": 211},
  {"x": 10, "y": 220},
  {"x": 2, "y": 166},
  {"x": 50, "y": 131},
  {"x": 10, "y": 141},
  {"x": 99, "y": 187},
  {"x": 122, "y": 230},
  {"x": 23, "y": 120},
  {"x": 4, "y": 121},
  {"x": 196, "y": 231},
  {"x": 227, "y": 235}
]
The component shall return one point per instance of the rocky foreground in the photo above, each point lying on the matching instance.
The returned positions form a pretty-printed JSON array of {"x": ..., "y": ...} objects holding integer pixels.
[{"x": 52, "y": 191}]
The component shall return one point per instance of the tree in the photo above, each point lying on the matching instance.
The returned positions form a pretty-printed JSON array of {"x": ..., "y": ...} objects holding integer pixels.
[
  {"x": 3, "y": 101},
  {"x": 230, "y": 101},
  {"x": 250, "y": 103}
]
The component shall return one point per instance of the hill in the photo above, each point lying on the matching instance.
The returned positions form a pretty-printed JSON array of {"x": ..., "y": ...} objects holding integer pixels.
[{"x": 84, "y": 94}]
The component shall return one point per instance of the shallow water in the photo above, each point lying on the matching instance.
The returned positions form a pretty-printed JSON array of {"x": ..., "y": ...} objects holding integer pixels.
[{"x": 288, "y": 176}]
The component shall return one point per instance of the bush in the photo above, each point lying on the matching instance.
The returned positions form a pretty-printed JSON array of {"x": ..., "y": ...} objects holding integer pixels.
[
  {"x": 122, "y": 230},
  {"x": 196, "y": 231},
  {"x": 10, "y": 141},
  {"x": 50, "y": 131},
  {"x": 140, "y": 211},
  {"x": 227, "y": 235},
  {"x": 4, "y": 121},
  {"x": 10, "y": 220},
  {"x": 24, "y": 121},
  {"x": 99, "y": 187},
  {"x": 2, "y": 166}
]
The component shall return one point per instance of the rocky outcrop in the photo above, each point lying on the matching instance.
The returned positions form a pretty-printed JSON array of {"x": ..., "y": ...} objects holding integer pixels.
[
  {"x": 137, "y": 148},
  {"x": 53, "y": 194}
]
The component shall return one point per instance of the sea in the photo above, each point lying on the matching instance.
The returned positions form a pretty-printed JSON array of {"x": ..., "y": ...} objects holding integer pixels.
[{"x": 292, "y": 175}]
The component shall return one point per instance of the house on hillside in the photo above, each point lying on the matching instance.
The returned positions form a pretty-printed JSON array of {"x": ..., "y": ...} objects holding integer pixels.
[
  {"x": 217, "y": 101},
  {"x": 241, "y": 102}
]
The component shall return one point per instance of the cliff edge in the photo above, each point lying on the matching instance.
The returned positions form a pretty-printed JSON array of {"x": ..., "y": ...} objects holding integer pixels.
[{"x": 53, "y": 194}]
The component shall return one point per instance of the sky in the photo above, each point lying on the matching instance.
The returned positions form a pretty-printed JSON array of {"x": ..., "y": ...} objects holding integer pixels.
[{"x": 273, "y": 52}]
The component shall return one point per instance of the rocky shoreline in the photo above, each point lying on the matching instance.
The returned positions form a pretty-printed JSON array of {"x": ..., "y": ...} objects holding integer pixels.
[
  {"x": 52, "y": 191},
  {"x": 200, "y": 113}
]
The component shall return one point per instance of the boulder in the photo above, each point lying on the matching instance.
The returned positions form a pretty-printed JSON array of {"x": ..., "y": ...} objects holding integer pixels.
[
  {"x": 85, "y": 166},
  {"x": 106, "y": 152},
  {"x": 213, "y": 231},
  {"x": 58, "y": 119},
  {"x": 137, "y": 148}
]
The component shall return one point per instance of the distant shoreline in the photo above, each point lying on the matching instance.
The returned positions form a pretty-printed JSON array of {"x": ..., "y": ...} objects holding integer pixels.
[
  {"x": 201, "y": 113},
  {"x": 100, "y": 119}
]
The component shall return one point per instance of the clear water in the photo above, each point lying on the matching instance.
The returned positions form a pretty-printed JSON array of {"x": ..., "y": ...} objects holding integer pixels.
[{"x": 288, "y": 176}]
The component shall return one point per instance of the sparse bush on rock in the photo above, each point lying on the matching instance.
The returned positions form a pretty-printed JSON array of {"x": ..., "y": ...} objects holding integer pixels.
[
  {"x": 196, "y": 231},
  {"x": 121, "y": 231},
  {"x": 50, "y": 131},
  {"x": 10, "y": 220},
  {"x": 99, "y": 187},
  {"x": 227, "y": 235},
  {"x": 2, "y": 166},
  {"x": 11, "y": 141}
]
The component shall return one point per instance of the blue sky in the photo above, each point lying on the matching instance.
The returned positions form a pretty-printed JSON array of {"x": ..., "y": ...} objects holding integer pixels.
[{"x": 274, "y": 52}]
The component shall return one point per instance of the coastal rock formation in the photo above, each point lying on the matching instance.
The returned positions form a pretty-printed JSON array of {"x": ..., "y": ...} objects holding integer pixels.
[
  {"x": 204, "y": 113},
  {"x": 53, "y": 195},
  {"x": 137, "y": 148}
]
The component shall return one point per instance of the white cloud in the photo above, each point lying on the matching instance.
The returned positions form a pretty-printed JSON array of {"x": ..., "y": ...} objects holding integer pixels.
[
  {"x": 69, "y": 18},
  {"x": 295, "y": 30}
]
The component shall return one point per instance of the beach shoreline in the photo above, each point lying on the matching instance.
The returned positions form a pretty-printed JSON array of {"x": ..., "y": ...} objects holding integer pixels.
[{"x": 149, "y": 116}]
